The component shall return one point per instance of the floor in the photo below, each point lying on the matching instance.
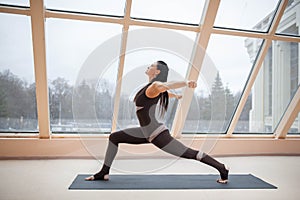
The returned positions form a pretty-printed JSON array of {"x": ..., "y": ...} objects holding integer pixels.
[{"x": 50, "y": 179}]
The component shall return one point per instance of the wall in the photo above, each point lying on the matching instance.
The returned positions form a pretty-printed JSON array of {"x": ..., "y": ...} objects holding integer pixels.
[{"x": 33, "y": 148}]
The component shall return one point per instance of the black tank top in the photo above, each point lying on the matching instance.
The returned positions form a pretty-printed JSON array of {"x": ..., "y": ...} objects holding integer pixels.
[{"x": 146, "y": 108}]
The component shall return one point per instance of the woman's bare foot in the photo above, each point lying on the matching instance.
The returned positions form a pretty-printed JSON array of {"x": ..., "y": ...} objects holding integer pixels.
[
  {"x": 222, "y": 181},
  {"x": 92, "y": 178}
]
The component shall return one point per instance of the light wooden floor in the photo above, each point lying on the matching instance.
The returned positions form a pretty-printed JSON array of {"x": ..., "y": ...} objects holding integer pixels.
[{"x": 50, "y": 179}]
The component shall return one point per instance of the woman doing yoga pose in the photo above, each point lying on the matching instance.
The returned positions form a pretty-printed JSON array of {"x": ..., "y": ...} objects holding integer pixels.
[{"x": 151, "y": 130}]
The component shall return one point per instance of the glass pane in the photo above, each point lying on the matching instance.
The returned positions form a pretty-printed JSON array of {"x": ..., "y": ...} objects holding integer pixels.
[
  {"x": 15, "y": 2},
  {"x": 81, "y": 74},
  {"x": 175, "y": 11},
  {"x": 223, "y": 76},
  {"x": 295, "y": 128},
  {"x": 139, "y": 57},
  {"x": 189, "y": 34},
  {"x": 17, "y": 85},
  {"x": 273, "y": 89},
  {"x": 246, "y": 14},
  {"x": 110, "y": 7},
  {"x": 289, "y": 23}
]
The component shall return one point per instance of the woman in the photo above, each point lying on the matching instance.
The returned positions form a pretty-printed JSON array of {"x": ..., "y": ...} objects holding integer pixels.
[{"x": 152, "y": 131}]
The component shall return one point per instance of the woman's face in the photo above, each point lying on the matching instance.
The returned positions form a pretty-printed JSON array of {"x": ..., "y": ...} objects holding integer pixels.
[{"x": 152, "y": 70}]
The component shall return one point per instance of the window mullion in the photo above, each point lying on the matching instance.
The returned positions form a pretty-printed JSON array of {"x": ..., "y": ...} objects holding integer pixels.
[
  {"x": 121, "y": 65},
  {"x": 202, "y": 39},
  {"x": 39, "y": 53}
]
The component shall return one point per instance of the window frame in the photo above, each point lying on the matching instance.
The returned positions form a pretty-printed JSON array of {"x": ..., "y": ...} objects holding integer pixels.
[{"x": 38, "y": 14}]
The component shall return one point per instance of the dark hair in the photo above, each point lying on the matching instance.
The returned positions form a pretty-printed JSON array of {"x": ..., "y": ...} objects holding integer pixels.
[
  {"x": 164, "y": 70},
  {"x": 162, "y": 77}
]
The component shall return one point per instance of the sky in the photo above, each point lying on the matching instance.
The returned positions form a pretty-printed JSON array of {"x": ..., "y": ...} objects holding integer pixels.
[{"x": 69, "y": 43}]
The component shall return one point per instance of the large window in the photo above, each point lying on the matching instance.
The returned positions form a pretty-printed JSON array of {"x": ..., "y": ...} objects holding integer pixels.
[
  {"x": 106, "y": 7},
  {"x": 246, "y": 14},
  {"x": 81, "y": 83},
  {"x": 83, "y": 62},
  {"x": 223, "y": 76},
  {"x": 273, "y": 89},
  {"x": 17, "y": 85},
  {"x": 173, "y": 11},
  {"x": 141, "y": 54}
]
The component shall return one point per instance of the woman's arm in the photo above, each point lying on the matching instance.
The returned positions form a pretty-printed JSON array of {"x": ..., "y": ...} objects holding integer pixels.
[
  {"x": 158, "y": 87},
  {"x": 172, "y": 95}
]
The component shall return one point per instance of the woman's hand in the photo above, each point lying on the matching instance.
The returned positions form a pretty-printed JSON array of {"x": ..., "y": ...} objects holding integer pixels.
[
  {"x": 192, "y": 84},
  {"x": 172, "y": 95},
  {"x": 178, "y": 96}
]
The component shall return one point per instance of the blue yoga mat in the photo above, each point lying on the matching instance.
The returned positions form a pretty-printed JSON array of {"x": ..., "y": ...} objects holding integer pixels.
[{"x": 175, "y": 181}]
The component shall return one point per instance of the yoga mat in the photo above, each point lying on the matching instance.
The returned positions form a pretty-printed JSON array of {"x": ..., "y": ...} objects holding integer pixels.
[{"x": 167, "y": 182}]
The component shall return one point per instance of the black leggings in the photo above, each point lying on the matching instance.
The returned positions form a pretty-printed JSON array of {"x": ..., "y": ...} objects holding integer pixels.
[{"x": 163, "y": 141}]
